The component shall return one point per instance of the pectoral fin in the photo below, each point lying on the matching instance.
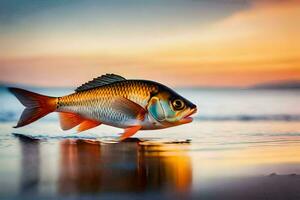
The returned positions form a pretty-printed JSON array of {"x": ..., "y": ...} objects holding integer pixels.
[
  {"x": 88, "y": 124},
  {"x": 129, "y": 132},
  {"x": 130, "y": 108}
]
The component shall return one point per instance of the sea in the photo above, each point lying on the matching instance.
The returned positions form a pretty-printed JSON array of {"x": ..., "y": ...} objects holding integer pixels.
[{"x": 242, "y": 144}]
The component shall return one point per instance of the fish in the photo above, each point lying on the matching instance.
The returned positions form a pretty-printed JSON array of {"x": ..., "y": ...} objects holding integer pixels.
[{"x": 113, "y": 100}]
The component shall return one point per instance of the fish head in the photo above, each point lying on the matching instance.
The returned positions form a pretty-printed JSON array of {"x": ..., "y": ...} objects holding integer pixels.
[{"x": 169, "y": 108}]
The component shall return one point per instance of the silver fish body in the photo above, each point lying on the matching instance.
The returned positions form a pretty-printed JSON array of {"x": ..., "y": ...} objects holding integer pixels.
[
  {"x": 112, "y": 100},
  {"x": 102, "y": 103}
]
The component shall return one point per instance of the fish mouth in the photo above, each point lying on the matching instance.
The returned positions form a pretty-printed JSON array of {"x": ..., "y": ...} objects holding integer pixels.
[{"x": 187, "y": 118}]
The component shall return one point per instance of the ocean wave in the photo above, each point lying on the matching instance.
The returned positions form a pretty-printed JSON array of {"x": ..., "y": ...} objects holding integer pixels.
[{"x": 273, "y": 117}]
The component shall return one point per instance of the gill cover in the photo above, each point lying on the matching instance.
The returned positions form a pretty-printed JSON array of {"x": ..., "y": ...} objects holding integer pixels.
[{"x": 155, "y": 109}]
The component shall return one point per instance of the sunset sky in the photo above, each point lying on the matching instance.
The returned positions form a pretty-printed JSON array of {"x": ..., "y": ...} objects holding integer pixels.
[{"x": 176, "y": 42}]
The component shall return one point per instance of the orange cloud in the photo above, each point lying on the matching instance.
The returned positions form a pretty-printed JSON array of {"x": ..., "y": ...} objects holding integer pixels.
[{"x": 256, "y": 45}]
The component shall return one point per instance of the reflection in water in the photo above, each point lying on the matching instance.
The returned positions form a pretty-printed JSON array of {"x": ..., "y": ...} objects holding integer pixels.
[
  {"x": 30, "y": 166},
  {"x": 130, "y": 166},
  {"x": 158, "y": 170},
  {"x": 79, "y": 167},
  {"x": 165, "y": 168}
]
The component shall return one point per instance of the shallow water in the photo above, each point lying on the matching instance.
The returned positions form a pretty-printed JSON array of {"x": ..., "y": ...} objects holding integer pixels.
[{"x": 221, "y": 155}]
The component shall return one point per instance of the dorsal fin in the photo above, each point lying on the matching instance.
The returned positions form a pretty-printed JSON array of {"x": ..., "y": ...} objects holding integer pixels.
[{"x": 100, "y": 81}]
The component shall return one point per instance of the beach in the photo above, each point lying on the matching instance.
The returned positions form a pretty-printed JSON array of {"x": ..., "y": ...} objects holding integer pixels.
[
  {"x": 218, "y": 80},
  {"x": 242, "y": 144}
]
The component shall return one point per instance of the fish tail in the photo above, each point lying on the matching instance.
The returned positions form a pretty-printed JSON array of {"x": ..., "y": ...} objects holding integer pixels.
[{"x": 36, "y": 105}]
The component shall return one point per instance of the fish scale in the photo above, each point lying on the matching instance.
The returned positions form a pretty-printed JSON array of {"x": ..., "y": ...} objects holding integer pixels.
[
  {"x": 112, "y": 100},
  {"x": 97, "y": 103}
]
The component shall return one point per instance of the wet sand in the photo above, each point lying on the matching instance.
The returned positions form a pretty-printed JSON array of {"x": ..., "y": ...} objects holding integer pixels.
[
  {"x": 243, "y": 144},
  {"x": 149, "y": 169}
]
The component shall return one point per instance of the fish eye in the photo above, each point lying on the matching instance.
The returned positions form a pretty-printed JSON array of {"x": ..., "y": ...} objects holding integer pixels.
[{"x": 178, "y": 104}]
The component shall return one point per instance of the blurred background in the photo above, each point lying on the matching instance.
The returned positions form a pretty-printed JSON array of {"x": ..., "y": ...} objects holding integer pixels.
[
  {"x": 237, "y": 60},
  {"x": 214, "y": 43}
]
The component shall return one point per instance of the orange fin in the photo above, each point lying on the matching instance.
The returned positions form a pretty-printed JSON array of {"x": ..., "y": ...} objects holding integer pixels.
[
  {"x": 69, "y": 120},
  {"x": 129, "y": 132},
  {"x": 88, "y": 124},
  {"x": 37, "y": 105},
  {"x": 130, "y": 108}
]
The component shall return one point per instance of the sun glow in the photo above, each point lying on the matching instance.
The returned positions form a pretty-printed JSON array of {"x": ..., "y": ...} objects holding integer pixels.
[{"x": 256, "y": 44}]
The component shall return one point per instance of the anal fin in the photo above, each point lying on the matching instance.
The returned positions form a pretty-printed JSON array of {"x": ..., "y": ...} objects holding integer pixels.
[
  {"x": 69, "y": 120},
  {"x": 88, "y": 124}
]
